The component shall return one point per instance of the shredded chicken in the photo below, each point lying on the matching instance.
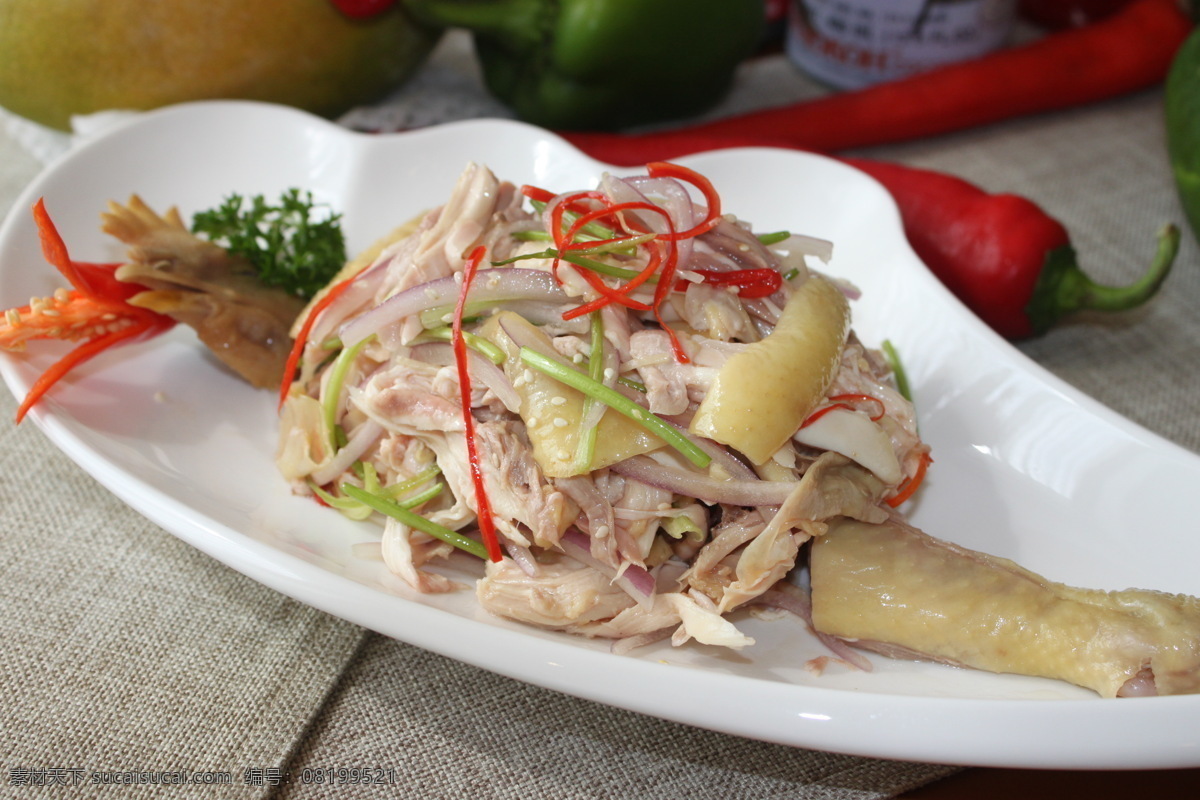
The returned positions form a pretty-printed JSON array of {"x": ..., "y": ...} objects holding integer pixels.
[{"x": 658, "y": 460}]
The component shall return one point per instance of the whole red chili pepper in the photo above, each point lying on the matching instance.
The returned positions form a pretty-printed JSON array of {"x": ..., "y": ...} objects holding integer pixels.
[
  {"x": 1003, "y": 256},
  {"x": 1129, "y": 50}
]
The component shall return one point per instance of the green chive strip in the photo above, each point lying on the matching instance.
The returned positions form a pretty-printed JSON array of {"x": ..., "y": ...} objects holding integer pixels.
[
  {"x": 637, "y": 386},
  {"x": 477, "y": 343},
  {"x": 397, "y": 489},
  {"x": 774, "y": 238},
  {"x": 349, "y": 508},
  {"x": 583, "y": 261},
  {"x": 366, "y": 472},
  {"x": 439, "y": 316},
  {"x": 594, "y": 228},
  {"x": 358, "y": 511},
  {"x": 580, "y": 256},
  {"x": 618, "y": 402},
  {"x": 586, "y": 449},
  {"x": 333, "y": 389},
  {"x": 893, "y": 359},
  {"x": 412, "y": 520},
  {"x": 532, "y": 236}
]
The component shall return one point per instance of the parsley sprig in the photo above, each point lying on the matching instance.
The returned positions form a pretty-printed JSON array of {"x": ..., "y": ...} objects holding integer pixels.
[{"x": 289, "y": 245}]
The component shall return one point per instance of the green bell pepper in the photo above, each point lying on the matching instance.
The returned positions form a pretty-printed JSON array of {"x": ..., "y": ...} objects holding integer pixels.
[{"x": 604, "y": 64}]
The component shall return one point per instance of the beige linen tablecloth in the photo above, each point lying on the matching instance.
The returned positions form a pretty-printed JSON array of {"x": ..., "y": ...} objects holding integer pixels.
[{"x": 127, "y": 653}]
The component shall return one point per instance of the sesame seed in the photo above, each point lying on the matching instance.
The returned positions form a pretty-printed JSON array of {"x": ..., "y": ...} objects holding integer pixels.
[
  {"x": 559, "y": 422},
  {"x": 609, "y": 373},
  {"x": 601, "y": 531},
  {"x": 558, "y": 400}
]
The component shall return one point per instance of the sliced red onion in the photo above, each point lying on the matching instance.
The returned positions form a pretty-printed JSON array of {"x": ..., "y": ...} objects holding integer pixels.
[
  {"x": 363, "y": 437},
  {"x": 357, "y": 295},
  {"x": 733, "y": 466},
  {"x": 491, "y": 376},
  {"x": 523, "y": 337},
  {"x": 542, "y": 314},
  {"x": 523, "y": 558},
  {"x": 438, "y": 353},
  {"x": 809, "y": 246},
  {"x": 749, "y": 493},
  {"x": 498, "y": 285},
  {"x": 675, "y": 201},
  {"x": 633, "y": 580},
  {"x": 481, "y": 368}
]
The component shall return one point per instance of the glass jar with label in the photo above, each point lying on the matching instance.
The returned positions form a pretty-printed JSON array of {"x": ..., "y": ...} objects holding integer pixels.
[{"x": 854, "y": 43}]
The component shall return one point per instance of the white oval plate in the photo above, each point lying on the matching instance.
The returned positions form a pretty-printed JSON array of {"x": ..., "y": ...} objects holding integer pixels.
[{"x": 1026, "y": 467}]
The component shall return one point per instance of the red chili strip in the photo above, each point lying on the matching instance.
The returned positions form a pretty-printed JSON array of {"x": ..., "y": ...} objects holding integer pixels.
[
  {"x": 598, "y": 214},
  {"x": 609, "y": 292},
  {"x": 293, "y": 359},
  {"x": 537, "y": 193},
  {"x": 908, "y": 488},
  {"x": 625, "y": 289},
  {"x": 487, "y": 526},
  {"x": 665, "y": 169},
  {"x": 561, "y": 240},
  {"x": 844, "y": 401},
  {"x": 750, "y": 283}
]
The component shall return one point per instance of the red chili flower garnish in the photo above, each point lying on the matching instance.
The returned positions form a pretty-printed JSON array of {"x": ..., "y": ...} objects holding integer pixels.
[
  {"x": 487, "y": 526},
  {"x": 94, "y": 311}
]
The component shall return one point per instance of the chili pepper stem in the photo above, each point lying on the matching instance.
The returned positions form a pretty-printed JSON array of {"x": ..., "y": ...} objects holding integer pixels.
[
  {"x": 1063, "y": 288},
  {"x": 510, "y": 21}
]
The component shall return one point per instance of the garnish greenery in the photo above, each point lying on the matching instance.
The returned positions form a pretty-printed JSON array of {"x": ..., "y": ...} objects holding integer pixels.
[{"x": 290, "y": 244}]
